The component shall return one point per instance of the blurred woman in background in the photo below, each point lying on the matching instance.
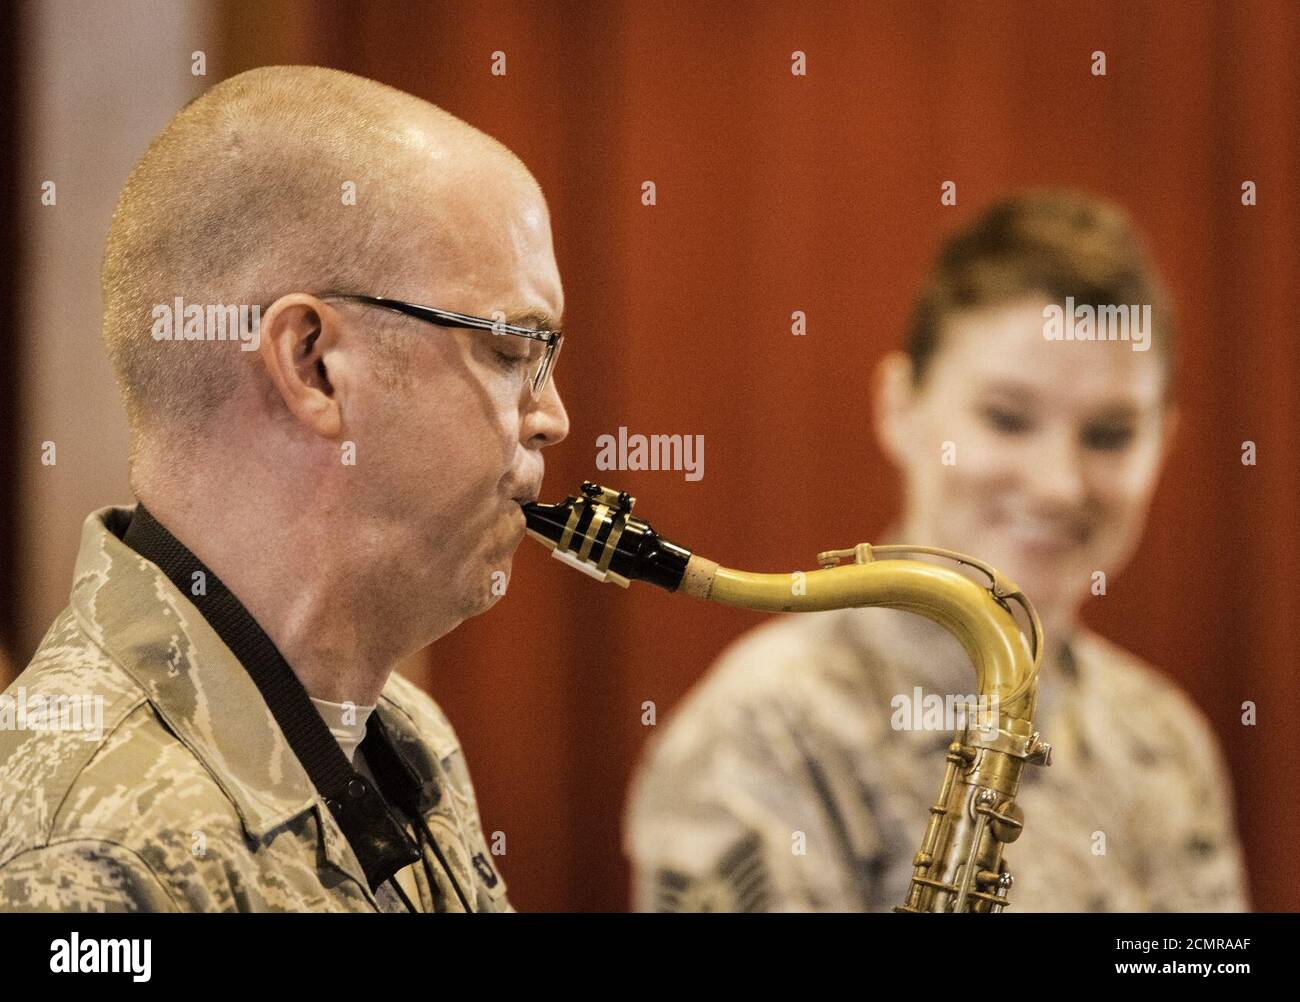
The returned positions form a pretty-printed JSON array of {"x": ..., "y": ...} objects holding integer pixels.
[{"x": 784, "y": 780}]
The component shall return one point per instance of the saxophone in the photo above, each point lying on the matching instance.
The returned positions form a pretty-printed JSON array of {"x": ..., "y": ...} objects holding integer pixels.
[{"x": 959, "y": 866}]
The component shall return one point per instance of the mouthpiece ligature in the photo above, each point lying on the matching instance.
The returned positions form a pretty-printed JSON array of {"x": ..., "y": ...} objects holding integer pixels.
[{"x": 597, "y": 534}]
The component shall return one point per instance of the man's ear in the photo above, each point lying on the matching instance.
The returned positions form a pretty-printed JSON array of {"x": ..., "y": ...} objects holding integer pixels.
[
  {"x": 298, "y": 332},
  {"x": 891, "y": 405}
]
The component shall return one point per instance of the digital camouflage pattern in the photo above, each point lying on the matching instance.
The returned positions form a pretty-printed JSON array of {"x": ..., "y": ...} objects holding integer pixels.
[
  {"x": 191, "y": 798},
  {"x": 781, "y": 784}
]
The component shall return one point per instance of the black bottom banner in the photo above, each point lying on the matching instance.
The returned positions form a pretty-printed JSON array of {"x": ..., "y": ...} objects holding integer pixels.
[{"x": 832, "y": 954}]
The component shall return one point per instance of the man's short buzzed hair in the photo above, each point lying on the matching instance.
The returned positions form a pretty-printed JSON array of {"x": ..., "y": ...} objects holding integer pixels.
[{"x": 240, "y": 200}]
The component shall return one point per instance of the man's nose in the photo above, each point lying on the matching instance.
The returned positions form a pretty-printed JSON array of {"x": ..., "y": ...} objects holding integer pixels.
[{"x": 546, "y": 422}]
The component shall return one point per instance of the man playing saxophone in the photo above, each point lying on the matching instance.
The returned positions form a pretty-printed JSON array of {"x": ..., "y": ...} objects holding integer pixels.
[
  {"x": 797, "y": 775},
  {"x": 311, "y": 512}
]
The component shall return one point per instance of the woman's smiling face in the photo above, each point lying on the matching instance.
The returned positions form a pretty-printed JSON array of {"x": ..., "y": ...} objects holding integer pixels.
[{"x": 1039, "y": 457}]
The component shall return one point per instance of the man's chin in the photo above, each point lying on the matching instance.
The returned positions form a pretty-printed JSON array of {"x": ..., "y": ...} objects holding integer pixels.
[{"x": 497, "y": 582}]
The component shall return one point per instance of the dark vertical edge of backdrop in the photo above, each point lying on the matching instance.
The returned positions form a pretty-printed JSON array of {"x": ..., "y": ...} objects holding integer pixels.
[{"x": 11, "y": 342}]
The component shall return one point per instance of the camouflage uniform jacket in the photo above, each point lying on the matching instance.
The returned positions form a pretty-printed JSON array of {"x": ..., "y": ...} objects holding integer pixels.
[
  {"x": 189, "y": 797},
  {"x": 781, "y": 782}
]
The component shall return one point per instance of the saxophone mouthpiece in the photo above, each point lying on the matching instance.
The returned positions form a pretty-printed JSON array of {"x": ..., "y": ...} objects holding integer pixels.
[{"x": 596, "y": 533}]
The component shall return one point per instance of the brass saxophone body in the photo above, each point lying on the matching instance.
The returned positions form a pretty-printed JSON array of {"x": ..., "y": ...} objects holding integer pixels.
[{"x": 959, "y": 866}]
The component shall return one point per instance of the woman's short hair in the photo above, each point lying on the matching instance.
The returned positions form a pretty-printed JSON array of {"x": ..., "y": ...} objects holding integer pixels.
[{"x": 1053, "y": 243}]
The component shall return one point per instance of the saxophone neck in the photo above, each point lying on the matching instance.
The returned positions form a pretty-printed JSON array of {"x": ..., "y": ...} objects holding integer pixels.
[
  {"x": 595, "y": 532},
  {"x": 1005, "y": 659}
]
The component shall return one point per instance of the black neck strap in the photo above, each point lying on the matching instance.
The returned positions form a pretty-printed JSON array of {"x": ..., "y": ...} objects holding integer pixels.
[{"x": 378, "y": 839}]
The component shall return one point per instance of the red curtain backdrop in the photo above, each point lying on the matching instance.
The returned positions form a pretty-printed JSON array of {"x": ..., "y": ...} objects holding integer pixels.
[{"x": 821, "y": 193}]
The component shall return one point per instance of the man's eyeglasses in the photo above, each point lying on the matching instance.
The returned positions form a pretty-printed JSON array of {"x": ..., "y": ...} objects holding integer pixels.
[{"x": 548, "y": 341}]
